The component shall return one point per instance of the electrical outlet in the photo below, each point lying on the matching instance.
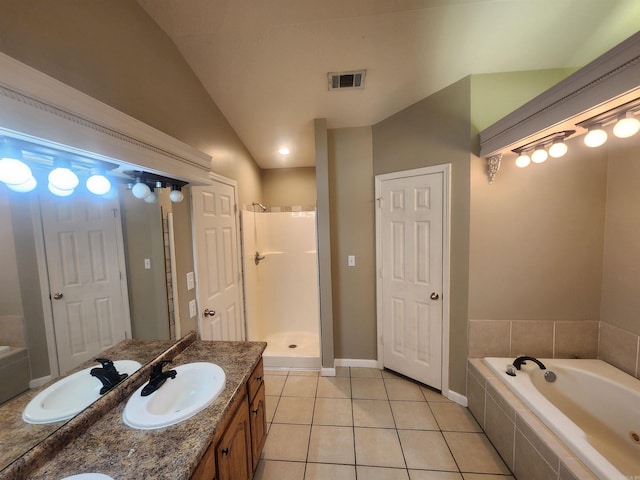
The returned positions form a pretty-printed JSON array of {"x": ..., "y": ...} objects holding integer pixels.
[
  {"x": 191, "y": 283},
  {"x": 351, "y": 260},
  {"x": 193, "y": 311},
  {"x": 147, "y": 263}
]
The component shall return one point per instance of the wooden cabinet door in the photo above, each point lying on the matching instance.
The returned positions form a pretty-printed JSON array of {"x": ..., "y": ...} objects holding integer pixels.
[
  {"x": 233, "y": 454},
  {"x": 206, "y": 469},
  {"x": 258, "y": 418}
]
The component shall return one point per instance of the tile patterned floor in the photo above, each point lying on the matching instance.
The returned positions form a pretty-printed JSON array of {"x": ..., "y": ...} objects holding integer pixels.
[{"x": 367, "y": 424}]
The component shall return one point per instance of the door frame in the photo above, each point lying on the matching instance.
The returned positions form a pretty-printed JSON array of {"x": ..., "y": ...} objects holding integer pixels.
[
  {"x": 45, "y": 289},
  {"x": 445, "y": 170},
  {"x": 214, "y": 177}
]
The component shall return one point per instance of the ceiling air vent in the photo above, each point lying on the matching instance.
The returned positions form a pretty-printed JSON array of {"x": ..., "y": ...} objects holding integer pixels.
[{"x": 344, "y": 80}]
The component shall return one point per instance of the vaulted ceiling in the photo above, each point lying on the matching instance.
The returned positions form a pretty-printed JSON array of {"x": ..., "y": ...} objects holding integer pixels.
[{"x": 265, "y": 62}]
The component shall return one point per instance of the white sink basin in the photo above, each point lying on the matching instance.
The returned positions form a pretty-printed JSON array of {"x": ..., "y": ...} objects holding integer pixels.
[
  {"x": 195, "y": 386},
  {"x": 70, "y": 395}
]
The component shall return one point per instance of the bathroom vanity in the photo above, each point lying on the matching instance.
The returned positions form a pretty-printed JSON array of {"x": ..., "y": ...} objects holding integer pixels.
[{"x": 221, "y": 442}]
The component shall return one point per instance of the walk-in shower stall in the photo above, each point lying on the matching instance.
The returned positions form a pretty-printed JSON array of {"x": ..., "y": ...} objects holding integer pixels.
[{"x": 281, "y": 285}]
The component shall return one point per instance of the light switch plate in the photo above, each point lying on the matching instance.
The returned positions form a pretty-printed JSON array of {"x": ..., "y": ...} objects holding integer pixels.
[
  {"x": 147, "y": 263},
  {"x": 351, "y": 260},
  {"x": 190, "y": 281},
  {"x": 192, "y": 309}
]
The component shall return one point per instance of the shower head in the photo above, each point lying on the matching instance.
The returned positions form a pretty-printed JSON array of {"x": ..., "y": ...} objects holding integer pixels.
[{"x": 262, "y": 207}]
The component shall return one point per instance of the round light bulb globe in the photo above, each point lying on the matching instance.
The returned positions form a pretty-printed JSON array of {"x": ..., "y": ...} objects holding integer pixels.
[
  {"x": 63, "y": 179},
  {"x": 626, "y": 127},
  {"x": 595, "y": 137},
  {"x": 558, "y": 149},
  {"x": 59, "y": 192},
  {"x": 98, "y": 184},
  {"x": 539, "y": 155},
  {"x": 141, "y": 190},
  {"x": 151, "y": 198},
  {"x": 176, "y": 196},
  {"x": 25, "y": 187},
  {"x": 523, "y": 160},
  {"x": 14, "y": 172}
]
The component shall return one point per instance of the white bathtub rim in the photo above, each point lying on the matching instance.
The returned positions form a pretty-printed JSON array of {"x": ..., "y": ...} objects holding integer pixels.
[{"x": 574, "y": 437}]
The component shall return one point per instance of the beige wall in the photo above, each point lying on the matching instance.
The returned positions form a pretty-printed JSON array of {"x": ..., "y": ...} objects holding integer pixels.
[
  {"x": 353, "y": 233},
  {"x": 10, "y": 299},
  {"x": 289, "y": 186},
  {"x": 436, "y": 131}
]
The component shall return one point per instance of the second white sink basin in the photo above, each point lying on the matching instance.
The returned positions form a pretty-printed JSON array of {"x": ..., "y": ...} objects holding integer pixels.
[
  {"x": 195, "y": 386},
  {"x": 70, "y": 395}
]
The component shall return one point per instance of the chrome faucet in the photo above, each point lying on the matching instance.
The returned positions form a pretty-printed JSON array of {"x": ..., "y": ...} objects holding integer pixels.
[
  {"x": 518, "y": 362},
  {"x": 157, "y": 377},
  {"x": 107, "y": 374}
]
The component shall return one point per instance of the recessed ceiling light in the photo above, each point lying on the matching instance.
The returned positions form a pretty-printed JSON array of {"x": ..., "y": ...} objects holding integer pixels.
[{"x": 284, "y": 151}]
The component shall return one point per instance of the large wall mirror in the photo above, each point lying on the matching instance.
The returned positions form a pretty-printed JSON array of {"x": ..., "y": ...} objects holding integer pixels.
[{"x": 151, "y": 247}]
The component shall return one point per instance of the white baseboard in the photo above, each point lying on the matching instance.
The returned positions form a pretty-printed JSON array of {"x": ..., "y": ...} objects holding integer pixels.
[
  {"x": 457, "y": 397},
  {"x": 38, "y": 382},
  {"x": 356, "y": 362},
  {"x": 327, "y": 372}
]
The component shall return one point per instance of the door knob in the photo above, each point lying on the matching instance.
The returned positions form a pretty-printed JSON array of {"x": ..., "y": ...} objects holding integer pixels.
[
  {"x": 435, "y": 296},
  {"x": 58, "y": 296},
  {"x": 209, "y": 313}
]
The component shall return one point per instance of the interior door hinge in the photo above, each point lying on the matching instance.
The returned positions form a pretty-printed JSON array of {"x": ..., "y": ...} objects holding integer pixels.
[{"x": 379, "y": 199}]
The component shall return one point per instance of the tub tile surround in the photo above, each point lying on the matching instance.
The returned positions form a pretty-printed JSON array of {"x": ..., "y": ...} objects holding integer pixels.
[
  {"x": 556, "y": 339},
  {"x": 526, "y": 445},
  {"x": 539, "y": 338}
]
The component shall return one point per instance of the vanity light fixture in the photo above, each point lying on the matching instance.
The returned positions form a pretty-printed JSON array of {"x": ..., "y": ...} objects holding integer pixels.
[
  {"x": 596, "y": 136},
  {"x": 539, "y": 155},
  {"x": 13, "y": 170},
  {"x": 626, "y": 126},
  {"x": 539, "y": 150},
  {"x": 152, "y": 197},
  {"x": 176, "y": 195},
  {"x": 284, "y": 151},
  {"x": 140, "y": 190},
  {"x": 98, "y": 183}
]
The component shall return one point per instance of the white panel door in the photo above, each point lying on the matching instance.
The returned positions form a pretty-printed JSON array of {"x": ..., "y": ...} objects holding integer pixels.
[
  {"x": 83, "y": 244},
  {"x": 411, "y": 237},
  {"x": 215, "y": 226}
]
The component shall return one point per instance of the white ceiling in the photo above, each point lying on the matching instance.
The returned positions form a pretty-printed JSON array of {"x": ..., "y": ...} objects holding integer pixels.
[{"x": 264, "y": 62}]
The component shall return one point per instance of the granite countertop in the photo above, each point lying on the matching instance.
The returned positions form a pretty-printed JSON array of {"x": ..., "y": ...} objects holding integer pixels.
[
  {"x": 112, "y": 448},
  {"x": 18, "y": 437}
]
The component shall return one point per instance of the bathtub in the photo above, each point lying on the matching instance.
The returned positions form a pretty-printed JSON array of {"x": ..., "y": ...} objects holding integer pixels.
[
  {"x": 592, "y": 407},
  {"x": 292, "y": 350}
]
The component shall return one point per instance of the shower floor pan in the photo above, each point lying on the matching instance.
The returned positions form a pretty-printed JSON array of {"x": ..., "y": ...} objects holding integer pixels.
[{"x": 292, "y": 350}]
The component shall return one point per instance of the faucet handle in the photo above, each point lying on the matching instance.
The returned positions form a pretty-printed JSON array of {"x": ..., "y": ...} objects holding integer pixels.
[
  {"x": 157, "y": 367},
  {"x": 105, "y": 362}
]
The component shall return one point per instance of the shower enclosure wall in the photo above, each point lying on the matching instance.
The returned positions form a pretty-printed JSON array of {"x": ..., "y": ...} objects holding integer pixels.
[{"x": 281, "y": 286}]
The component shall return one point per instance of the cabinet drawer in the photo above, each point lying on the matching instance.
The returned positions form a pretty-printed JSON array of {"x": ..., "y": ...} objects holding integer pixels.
[{"x": 255, "y": 380}]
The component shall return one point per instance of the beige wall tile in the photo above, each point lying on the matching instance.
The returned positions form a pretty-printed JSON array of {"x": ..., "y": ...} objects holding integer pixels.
[
  {"x": 576, "y": 338},
  {"x": 489, "y": 338},
  {"x": 619, "y": 348},
  {"x": 534, "y": 338},
  {"x": 528, "y": 464},
  {"x": 501, "y": 429},
  {"x": 476, "y": 399},
  {"x": 574, "y": 469}
]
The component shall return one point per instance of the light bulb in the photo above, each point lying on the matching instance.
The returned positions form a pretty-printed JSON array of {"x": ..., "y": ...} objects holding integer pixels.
[
  {"x": 595, "y": 137},
  {"x": 626, "y": 127},
  {"x": 63, "y": 179},
  {"x": 13, "y": 171},
  {"x": 523, "y": 160},
  {"x": 558, "y": 149},
  {"x": 176, "y": 196},
  {"x": 98, "y": 184},
  {"x": 25, "y": 187},
  {"x": 140, "y": 190},
  {"x": 151, "y": 198},
  {"x": 59, "y": 192},
  {"x": 284, "y": 151},
  {"x": 539, "y": 155}
]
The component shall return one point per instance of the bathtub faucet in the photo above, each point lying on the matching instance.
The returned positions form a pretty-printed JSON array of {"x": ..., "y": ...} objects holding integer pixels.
[{"x": 518, "y": 362}]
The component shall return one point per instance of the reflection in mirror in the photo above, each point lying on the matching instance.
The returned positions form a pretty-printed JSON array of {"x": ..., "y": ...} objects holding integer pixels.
[{"x": 35, "y": 242}]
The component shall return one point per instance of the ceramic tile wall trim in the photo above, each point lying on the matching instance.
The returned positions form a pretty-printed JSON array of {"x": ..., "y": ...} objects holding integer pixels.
[
  {"x": 620, "y": 348},
  {"x": 539, "y": 338},
  {"x": 525, "y": 444}
]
